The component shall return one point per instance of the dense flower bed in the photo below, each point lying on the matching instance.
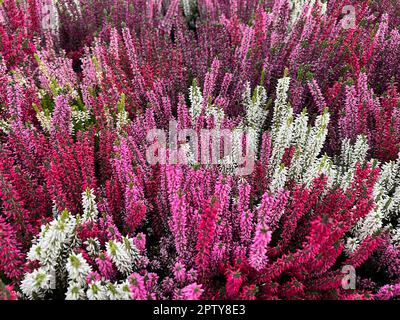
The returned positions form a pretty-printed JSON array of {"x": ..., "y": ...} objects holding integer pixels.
[{"x": 84, "y": 214}]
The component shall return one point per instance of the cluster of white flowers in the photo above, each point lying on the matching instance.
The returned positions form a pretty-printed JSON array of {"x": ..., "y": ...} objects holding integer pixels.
[
  {"x": 79, "y": 288},
  {"x": 5, "y": 126},
  {"x": 255, "y": 112},
  {"x": 307, "y": 164},
  {"x": 55, "y": 251},
  {"x": 287, "y": 132},
  {"x": 282, "y": 129},
  {"x": 122, "y": 115},
  {"x": 279, "y": 178},
  {"x": 92, "y": 247},
  {"x": 78, "y": 269},
  {"x": 247, "y": 133},
  {"x": 188, "y": 154},
  {"x": 124, "y": 254},
  {"x": 196, "y": 101},
  {"x": 100, "y": 290},
  {"x": 96, "y": 291},
  {"x": 346, "y": 162},
  {"x": 79, "y": 116},
  {"x": 90, "y": 211},
  {"x": 117, "y": 291},
  {"x": 197, "y": 104},
  {"x": 188, "y": 6},
  {"x": 387, "y": 189},
  {"x": 37, "y": 283},
  {"x": 216, "y": 112},
  {"x": 387, "y": 201},
  {"x": 75, "y": 292},
  {"x": 54, "y": 239}
]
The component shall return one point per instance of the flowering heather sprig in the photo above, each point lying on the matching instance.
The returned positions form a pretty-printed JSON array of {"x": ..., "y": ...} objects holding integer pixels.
[
  {"x": 206, "y": 234},
  {"x": 36, "y": 283},
  {"x": 7, "y": 292},
  {"x": 180, "y": 272},
  {"x": 105, "y": 265},
  {"x": 192, "y": 292},
  {"x": 78, "y": 271},
  {"x": 11, "y": 261},
  {"x": 246, "y": 215},
  {"x": 234, "y": 281},
  {"x": 136, "y": 286},
  {"x": 135, "y": 209},
  {"x": 124, "y": 254},
  {"x": 388, "y": 292},
  {"x": 178, "y": 209},
  {"x": 258, "y": 250}
]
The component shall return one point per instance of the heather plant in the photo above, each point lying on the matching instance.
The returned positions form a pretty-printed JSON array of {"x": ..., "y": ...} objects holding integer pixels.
[{"x": 308, "y": 92}]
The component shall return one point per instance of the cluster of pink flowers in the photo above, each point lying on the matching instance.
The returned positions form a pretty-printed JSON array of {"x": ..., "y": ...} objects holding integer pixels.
[{"x": 77, "y": 102}]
